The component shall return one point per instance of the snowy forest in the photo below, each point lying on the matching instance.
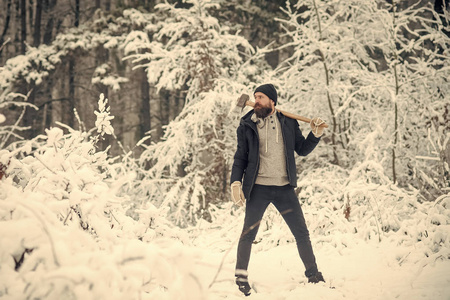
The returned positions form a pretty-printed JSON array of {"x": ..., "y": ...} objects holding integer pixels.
[{"x": 118, "y": 129}]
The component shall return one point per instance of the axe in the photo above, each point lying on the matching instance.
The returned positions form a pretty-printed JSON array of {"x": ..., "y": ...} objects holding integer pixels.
[{"x": 244, "y": 100}]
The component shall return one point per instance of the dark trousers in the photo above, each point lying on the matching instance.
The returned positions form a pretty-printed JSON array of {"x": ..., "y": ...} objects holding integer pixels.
[{"x": 286, "y": 202}]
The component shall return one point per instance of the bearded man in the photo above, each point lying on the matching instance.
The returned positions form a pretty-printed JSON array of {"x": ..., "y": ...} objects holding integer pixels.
[{"x": 264, "y": 172}]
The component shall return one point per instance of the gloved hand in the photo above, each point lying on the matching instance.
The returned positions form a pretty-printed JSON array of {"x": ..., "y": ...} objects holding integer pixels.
[
  {"x": 315, "y": 126},
  {"x": 236, "y": 193}
]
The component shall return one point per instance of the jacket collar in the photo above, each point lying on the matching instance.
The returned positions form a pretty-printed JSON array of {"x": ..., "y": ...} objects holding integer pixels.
[{"x": 247, "y": 119}]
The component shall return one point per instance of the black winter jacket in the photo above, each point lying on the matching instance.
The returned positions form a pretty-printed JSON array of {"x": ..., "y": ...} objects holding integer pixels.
[{"x": 246, "y": 158}]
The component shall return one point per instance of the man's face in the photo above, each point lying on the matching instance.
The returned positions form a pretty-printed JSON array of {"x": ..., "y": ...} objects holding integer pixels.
[{"x": 263, "y": 105}]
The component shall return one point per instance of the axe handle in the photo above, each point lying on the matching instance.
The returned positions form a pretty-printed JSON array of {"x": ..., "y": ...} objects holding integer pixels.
[
  {"x": 289, "y": 115},
  {"x": 297, "y": 117}
]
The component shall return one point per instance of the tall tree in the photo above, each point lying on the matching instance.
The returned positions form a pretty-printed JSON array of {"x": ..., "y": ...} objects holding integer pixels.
[
  {"x": 23, "y": 26},
  {"x": 191, "y": 51},
  {"x": 372, "y": 100},
  {"x": 71, "y": 103},
  {"x": 37, "y": 24},
  {"x": 324, "y": 76},
  {"x": 145, "y": 113},
  {"x": 6, "y": 24},
  {"x": 49, "y": 6}
]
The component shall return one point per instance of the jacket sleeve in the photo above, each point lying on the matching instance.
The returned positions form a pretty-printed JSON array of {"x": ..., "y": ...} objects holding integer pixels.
[
  {"x": 304, "y": 146},
  {"x": 240, "y": 157}
]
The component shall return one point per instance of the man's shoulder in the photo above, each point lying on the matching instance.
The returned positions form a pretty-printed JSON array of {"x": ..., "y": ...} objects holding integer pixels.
[
  {"x": 287, "y": 119},
  {"x": 246, "y": 118},
  {"x": 248, "y": 115}
]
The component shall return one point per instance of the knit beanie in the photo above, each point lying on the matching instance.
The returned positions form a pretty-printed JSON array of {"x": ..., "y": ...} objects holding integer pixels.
[{"x": 268, "y": 90}]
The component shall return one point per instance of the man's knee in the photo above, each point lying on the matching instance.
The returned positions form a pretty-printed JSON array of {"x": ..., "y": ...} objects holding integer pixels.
[
  {"x": 301, "y": 235},
  {"x": 249, "y": 234}
]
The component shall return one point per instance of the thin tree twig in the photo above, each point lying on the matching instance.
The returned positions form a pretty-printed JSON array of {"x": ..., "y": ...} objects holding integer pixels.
[{"x": 16, "y": 124}]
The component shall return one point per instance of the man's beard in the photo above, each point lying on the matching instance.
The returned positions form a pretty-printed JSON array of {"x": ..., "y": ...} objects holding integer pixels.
[{"x": 262, "y": 111}]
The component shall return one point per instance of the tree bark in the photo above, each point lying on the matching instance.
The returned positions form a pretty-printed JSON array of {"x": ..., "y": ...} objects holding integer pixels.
[
  {"x": 144, "y": 117},
  {"x": 69, "y": 111},
  {"x": 37, "y": 24},
  {"x": 77, "y": 13},
  {"x": 23, "y": 26},
  {"x": 71, "y": 104},
  {"x": 48, "y": 32},
  {"x": 30, "y": 17},
  {"x": 327, "y": 82},
  {"x": 397, "y": 89},
  {"x": 5, "y": 29}
]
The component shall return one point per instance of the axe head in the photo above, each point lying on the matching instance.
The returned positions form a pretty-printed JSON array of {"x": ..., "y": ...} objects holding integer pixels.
[{"x": 242, "y": 101}]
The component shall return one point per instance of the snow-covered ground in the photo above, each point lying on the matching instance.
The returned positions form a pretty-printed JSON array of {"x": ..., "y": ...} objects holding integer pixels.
[
  {"x": 198, "y": 262},
  {"x": 361, "y": 271},
  {"x": 354, "y": 269},
  {"x": 62, "y": 212}
]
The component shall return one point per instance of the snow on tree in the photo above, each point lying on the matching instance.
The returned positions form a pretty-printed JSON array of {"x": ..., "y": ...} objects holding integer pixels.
[
  {"x": 188, "y": 170},
  {"x": 31, "y": 69},
  {"x": 189, "y": 48},
  {"x": 431, "y": 163},
  {"x": 63, "y": 227},
  {"x": 65, "y": 206},
  {"x": 369, "y": 65}
]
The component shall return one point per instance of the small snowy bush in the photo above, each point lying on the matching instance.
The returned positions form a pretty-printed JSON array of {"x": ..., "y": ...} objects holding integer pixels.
[
  {"x": 364, "y": 203},
  {"x": 64, "y": 234}
]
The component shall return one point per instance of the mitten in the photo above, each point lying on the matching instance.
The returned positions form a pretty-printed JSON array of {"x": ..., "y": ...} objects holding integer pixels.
[
  {"x": 236, "y": 193},
  {"x": 315, "y": 126}
]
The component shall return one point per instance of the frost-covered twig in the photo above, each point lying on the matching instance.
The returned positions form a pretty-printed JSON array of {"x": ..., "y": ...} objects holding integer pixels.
[
  {"x": 4, "y": 44},
  {"x": 81, "y": 124},
  {"x": 221, "y": 263},
  {"x": 23, "y": 104},
  {"x": 45, "y": 165},
  {"x": 5, "y": 139},
  {"x": 375, "y": 217}
]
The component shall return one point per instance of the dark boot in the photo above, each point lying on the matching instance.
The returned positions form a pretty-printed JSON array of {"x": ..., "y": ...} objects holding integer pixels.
[
  {"x": 243, "y": 285},
  {"x": 316, "y": 278}
]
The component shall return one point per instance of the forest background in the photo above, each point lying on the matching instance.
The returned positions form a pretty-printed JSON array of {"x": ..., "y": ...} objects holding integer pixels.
[
  {"x": 385, "y": 84},
  {"x": 137, "y": 98}
]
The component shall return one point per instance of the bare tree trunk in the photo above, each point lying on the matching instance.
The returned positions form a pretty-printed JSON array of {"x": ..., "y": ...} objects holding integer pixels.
[
  {"x": 397, "y": 88},
  {"x": 144, "y": 117},
  {"x": 69, "y": 111},
  {"x": 5, "y": 29},
  {"x": 30, "y": 16},
  {"x": 48, "y": 106},
  {"x": 37, "y": 24},
  {"x": 48, "y": 8},
  {"x": 48, "y": 31},
  {"x": 77, "y": 13},
  {"x": 30, "y": 114},
  {"x": 330, "y": 104},
  {"x": 68, "y": 106},
  {"x": 23, "y": 26}
]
